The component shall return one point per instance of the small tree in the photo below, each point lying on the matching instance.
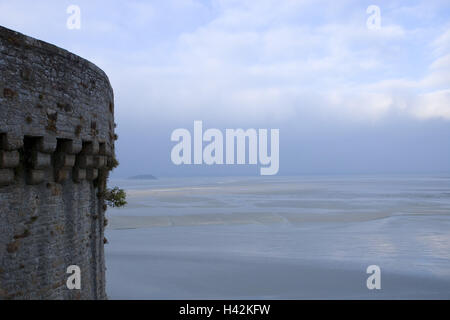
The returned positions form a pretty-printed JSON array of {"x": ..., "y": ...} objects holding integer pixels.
[{"x": 115, "y": 197}]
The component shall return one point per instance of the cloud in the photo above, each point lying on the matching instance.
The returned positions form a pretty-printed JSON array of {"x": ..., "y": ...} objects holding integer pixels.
[
  {"x": 433, "y": 105},
  {"x": 442, "y": 43},
  {"x": 266, "y": 59}
]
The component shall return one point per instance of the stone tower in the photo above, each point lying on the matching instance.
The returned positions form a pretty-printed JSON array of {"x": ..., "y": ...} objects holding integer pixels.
[{"x": 56, "y": 149}]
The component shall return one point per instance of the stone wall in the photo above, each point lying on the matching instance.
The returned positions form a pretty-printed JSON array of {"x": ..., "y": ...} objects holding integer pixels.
[{"x": 56, "y": 149}]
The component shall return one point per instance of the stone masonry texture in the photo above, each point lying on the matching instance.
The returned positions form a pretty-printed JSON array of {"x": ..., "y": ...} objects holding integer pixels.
[{"x": 56, "y": 150}]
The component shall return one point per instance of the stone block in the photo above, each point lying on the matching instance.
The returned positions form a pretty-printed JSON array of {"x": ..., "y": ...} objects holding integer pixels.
[
  {"x": 6, "y": 177},
  {"x": 72, "y": 146},
  {"x": 41, "y": 160},
  {"x": 91, "y": 174},
  {"x": 105, "y": 149},
  {"x": 9, "y": 159},
  {"x": 47, "y": 144},
  {"x": 64, "y": 160},
  {"x": 92, "y": 147},
  {"x": 100, "y": 162},
  {"x": 61, "y": 175},
  {"x": 12, "y": 141},
  {"x": 85, "y": 161},
  {"x": 35, "y": 177},
  {"x": 78, "y": 174}
]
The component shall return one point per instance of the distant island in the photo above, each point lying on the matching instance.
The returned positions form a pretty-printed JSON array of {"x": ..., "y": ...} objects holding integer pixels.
[{"x": 143, "y": 177}]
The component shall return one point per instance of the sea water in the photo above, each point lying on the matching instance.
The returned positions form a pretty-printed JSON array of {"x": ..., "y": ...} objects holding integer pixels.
[{"x": 280, "y": 237}]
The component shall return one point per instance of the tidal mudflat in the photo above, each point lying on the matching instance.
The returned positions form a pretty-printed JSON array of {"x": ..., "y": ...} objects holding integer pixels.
[{"x": 280, "y": 238}]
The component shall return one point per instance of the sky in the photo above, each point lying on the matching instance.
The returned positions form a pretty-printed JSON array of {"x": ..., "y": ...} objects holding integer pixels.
[{"x": 347, "y": 98}]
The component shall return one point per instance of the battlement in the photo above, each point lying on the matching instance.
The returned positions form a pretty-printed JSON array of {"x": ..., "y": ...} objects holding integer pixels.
[{"x": 56, "y": 149}]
